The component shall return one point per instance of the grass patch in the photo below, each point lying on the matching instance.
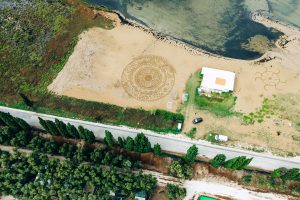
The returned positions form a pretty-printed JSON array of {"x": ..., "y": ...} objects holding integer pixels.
[
  {"x": 50, "y": 40},
  {"x": 192, "y": 133},
  {"x": 284, "y": 106},
  {"x": 259, "y": 116},
  {"x": 210, "y": 137},
  {"x": 220, "y": 105},
  {"x": 257, "y": 149}
]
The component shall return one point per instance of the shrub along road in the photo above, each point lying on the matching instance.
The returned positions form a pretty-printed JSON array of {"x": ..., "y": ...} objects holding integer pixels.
[{"x": 168, "y": 143}]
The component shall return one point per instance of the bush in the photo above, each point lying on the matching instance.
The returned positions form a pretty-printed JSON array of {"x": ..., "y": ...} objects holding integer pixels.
[
  {"x": 67, "y": 150},
  {"x": 191, "y": 155},
  {"x": 142, "y": 144},
  {"x": 97, "y": 155},
  {"x": 175, "y": 192},
  {"x": 51, "y": 147},
  {"x": 157, "y": 150},
  {"x": 129, "y": 144},
  {"x": 218, "y": 160},
  {"x": 109, "y": 140},
  {"x": 36, "y": 144},
  {"x": 238, "y": 163},
  {"x": 21, "y": 139},
  {"x": 81, "y": 155},
  {"x": 278, "y": 173},
  {"x": 181, "y": 170},
  {"x": 247, "y": 178},
  {"x": 191, "y": 134},
  {"x": 292, "y": 174}
]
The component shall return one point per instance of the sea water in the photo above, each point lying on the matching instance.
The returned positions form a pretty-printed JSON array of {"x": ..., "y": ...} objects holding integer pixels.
[{"x": 217, "y": 26}]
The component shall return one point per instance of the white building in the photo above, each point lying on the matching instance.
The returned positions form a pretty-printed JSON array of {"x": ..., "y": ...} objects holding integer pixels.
[{"x": 216, "y": 80}]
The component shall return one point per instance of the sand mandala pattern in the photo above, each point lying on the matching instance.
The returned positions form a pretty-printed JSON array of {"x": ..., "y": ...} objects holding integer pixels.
[
  {"x": 269, "y": 78},
  {"x": 148, "y": 78}
]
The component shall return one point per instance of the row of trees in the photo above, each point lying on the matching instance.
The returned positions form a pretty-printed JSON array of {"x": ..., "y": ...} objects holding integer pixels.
[
  {"x": 15, "y": 123},
  {"x": 79, "y": 154},
  {"x": 237, "y": 163},
  {"x": 59, "y": 128},
  {"x": 287, "y": 174},
  {"x": 138, "y": 144},
  {"x": 36, "y": 176}
]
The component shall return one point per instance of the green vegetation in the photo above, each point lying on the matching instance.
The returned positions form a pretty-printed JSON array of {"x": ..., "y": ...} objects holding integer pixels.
[
  {"x": 218, "y": 160},
  {"x": 219, "y": 104},
  {"x": 237, "y": 163},
  {"x": 59, "y": 128},
  {"x": 268, "y": 183},
  {"x": 175, "y": 192},
  {"x": 157, "y": 150},
  {"x": 247, "y": 179},
  {"x": 283, "y": 106},
  {"x": 191, "y": 155},
  {"x": 109, "y": 140},
  {"x": 181, "y": 170},
  {"x": 35, "y": 175},
  {"x": 35, "y": 142},
  {"x": 210, "y": 137},
  {"x": 37, "y": 37},
  {"x": 287, "y": 174},
  {"x": 191, "y": 134},
  {"x": 15, "y": 123},
  {"x": 261, "y": 114},
  {"x": 138, "y": 144}
]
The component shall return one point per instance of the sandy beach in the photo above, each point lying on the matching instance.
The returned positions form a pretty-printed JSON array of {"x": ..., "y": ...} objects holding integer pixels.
[{"x": 95, "y": 72}]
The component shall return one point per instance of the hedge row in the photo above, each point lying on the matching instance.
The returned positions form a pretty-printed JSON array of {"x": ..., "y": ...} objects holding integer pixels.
[
  {"x": 138, "y": 144},
  {"x": 15, "y": 123},
  {"x": 59, "y": 128},
  {"x": 237, "y": 163}
]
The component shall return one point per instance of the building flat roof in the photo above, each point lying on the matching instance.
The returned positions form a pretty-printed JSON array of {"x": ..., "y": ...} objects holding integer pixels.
[{"x": 216, "y": 79}]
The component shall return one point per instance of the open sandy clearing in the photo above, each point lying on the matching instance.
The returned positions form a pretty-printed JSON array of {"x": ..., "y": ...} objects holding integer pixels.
[
  {"x": 129, "y": 67},
  {"x": 94, "y": 71}
]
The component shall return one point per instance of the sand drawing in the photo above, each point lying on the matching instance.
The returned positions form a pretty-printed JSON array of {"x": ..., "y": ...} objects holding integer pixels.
[
  {"x": 269, "y": 78},
  {"x": 148, "y": 78}
]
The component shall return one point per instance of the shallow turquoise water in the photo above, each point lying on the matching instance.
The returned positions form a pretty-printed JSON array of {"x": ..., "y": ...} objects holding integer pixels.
[{"x": 217, "y": 26}]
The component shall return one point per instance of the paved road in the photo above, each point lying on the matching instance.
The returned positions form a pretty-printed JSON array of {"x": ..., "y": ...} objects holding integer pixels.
[{"x": 169, "y": 143}]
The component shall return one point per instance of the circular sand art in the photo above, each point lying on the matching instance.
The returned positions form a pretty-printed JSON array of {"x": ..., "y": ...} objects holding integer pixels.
[{"x": 148, "y": 78}]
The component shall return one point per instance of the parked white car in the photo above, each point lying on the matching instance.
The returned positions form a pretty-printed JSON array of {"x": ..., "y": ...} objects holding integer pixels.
[{"x": 221, "y": 138}]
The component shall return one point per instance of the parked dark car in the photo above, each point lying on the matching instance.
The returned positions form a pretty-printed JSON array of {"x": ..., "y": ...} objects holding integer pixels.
[{"x": 197, "y": 120}]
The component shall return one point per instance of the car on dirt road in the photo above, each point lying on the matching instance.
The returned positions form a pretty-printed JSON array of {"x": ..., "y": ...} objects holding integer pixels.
[{"x": 197, "y": 120}]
